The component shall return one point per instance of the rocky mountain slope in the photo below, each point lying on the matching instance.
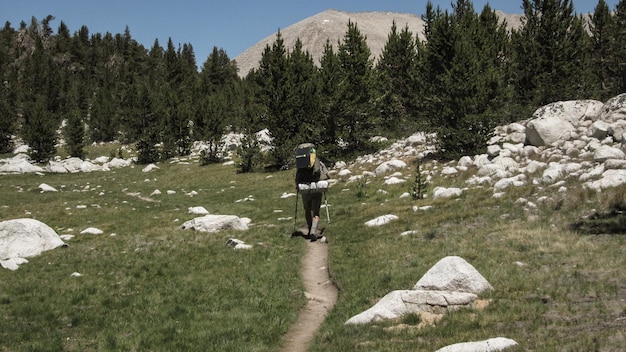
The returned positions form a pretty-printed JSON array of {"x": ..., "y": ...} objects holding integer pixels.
[{"x": 332, "y": 25}]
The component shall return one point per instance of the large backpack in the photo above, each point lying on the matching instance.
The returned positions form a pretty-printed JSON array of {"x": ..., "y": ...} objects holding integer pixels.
[{"x": 307, "y": 164}]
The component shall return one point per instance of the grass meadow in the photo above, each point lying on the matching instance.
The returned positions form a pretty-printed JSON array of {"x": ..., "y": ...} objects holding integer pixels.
[{"x": 148, "y": 285}]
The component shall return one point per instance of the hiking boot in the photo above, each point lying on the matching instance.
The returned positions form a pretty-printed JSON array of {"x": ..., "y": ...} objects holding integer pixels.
[{"x": 314, "y": 238}]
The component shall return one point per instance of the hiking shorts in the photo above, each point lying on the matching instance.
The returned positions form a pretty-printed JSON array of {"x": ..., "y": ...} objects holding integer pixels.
[{"x": 312, "y": 202}]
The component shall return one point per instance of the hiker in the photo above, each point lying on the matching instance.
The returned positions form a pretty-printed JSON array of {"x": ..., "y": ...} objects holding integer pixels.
[{"x": 314, "y": 171}]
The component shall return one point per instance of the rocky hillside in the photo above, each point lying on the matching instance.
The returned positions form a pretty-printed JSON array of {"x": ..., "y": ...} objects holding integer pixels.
[{"x": 332, "y": 25}]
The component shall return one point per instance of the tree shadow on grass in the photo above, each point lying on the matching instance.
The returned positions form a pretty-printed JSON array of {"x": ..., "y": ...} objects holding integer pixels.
[{"x": 613, "y": 222}]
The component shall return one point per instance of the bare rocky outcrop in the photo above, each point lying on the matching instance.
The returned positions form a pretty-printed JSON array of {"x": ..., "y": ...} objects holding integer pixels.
[{"x": 582, "y": 141}]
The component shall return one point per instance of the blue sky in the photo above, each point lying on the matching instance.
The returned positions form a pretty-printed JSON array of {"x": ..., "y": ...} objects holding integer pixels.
[{"x": 233, "y": 25}]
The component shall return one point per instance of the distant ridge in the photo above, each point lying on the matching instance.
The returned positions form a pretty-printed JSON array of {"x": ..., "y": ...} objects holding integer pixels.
[{"x": 332, "y": 25}]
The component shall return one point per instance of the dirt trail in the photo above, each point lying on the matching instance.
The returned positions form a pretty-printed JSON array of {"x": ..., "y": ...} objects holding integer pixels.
[{"x": 321, "y": 295}]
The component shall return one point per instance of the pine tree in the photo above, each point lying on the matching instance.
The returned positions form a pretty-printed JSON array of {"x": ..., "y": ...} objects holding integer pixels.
[
  {"x": 551, "y": 53},
  {"x": 304, "y": 113},
  {"x": 465, "y": 88},
  {"x": 102, "y": 121},
  {"x": 619, "y": 48},
  {"x": 272, "y": 80},
  {"x": 39, "y": 130},
  {"x": 329, "y": 76},
  {"x": 7, "y": 120},
  {"x": 356, "y": 115},
  {"x": 9, "y": 89},
  {"x": 149, "y": 101},
  {"x": 184, "y": 106},
  {"x": 39, "y": 120},
  {"x": 249, "y": 154},
  {"x": 216, "y": 103},
  {"x": 395, "y": 70},
  {"x": 74, "y": 133},
  {"x": 601, "y": 25}
]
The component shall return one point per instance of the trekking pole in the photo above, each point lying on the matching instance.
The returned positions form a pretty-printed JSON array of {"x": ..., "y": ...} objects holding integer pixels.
[
  {"x": 327, "y": 213},
  {"x": 295, "y": 216}
]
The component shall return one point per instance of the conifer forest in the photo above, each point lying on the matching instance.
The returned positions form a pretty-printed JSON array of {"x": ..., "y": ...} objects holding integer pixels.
[{"x": 469, "y": 75}]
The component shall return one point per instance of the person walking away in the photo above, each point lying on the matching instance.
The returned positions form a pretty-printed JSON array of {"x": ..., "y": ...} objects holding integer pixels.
[{"x": 306, "y": 174}]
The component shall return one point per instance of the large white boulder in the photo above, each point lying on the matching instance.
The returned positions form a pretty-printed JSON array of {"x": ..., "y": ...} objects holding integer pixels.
[
  {"x": 389, "y": 166},
  {"x": 606, "y": 152},
  {"x": 453, "y": 273},
  {"x": 442, "y": 192},
  {"x": 572, "y": 111},
  {"x": 216, "y": 223},
  {"x": 24, "y": 238},
  {"x": 547, "y": 130},
  {"x": 450, "y": 284},
  {"x": 598, "y": 129},
  {"x": 398, "y": 303},
  {"x": 381, "y": 220},
  {"x": 118, "y": 163},
  {"x": 610, "y": 178}
]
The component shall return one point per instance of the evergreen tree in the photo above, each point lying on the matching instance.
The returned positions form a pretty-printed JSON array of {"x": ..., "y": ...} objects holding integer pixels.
[
  {"x": 147, "y": 151},
  {"x": 80, "y": 68},
  {"x": 303, "y": 102},
  {"x": 619, "y": 46},
  {"x": 8, "y": 88},
  {"x": 272, "y": 79},
  {"x": 184, "y": 112},
  {"x": 218, "y": 71},
  {"x": 465, "y": 89},
  {"x": 330, "y": 76},
  {"x": 551, "y": 53},
  {"x": 210, "y": 126},
  {"x": 216, "y": 103},
  {"x": 249, "y": 154},
  {"x": 7, "y": 120},
  {"x": 356, "y": 115},
  {"x": 74, "y": 127},
  {"x": 74, "y": 133},
  {"x": 601, "y": 26},
  {"x": 102, "y": 121},
  {"x": 39, "y": 120},
  {"x": 132, "y": 72},
  {"x": 39, "y": 130},
  {"x": 395, "y": 70}
]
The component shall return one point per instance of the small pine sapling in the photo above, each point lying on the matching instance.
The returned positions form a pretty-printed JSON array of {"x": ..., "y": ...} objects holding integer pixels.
[{"x": 419, "y": 186}]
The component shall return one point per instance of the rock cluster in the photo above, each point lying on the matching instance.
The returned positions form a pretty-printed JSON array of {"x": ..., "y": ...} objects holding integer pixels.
[
  {"x": 21, "y": 163},
  {"x": 581, "y": 141}
]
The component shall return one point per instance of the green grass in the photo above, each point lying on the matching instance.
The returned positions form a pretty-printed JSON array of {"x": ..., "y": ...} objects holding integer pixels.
[{"x": 153, "y": 286}]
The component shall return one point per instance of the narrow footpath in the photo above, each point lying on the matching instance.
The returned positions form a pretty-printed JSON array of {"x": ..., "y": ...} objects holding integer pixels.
[{"x": 321, "y": 295}]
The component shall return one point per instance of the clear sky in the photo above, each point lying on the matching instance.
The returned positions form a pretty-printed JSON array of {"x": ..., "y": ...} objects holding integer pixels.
[{"x": 232, "y": 25}]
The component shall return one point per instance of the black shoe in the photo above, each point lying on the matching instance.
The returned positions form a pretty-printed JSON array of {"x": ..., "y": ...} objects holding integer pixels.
[{"x": 314, "y": 238}]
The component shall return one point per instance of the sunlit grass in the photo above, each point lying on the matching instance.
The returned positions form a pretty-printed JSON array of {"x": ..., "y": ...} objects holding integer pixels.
[{"x": 147, "y": 284}]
